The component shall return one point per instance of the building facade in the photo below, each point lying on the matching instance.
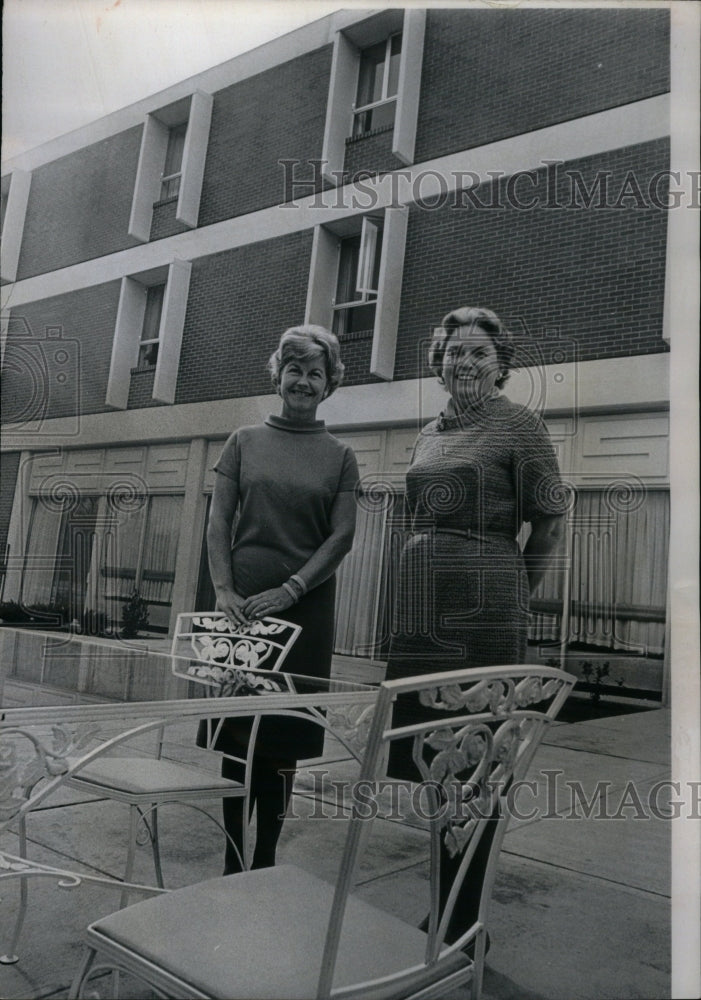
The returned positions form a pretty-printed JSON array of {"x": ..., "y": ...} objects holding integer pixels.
[{"x": 368, "y": 172}]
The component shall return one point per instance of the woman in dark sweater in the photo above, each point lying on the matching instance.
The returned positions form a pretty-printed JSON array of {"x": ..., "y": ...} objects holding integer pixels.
[{"x": 294, "y": 487}]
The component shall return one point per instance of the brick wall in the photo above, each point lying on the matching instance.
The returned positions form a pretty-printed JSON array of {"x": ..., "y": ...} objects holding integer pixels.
[
  {"x": 587, "y": 281},
  {"x": 278, "y": 114},
  {"x": 356, "y": 349},
  {"x": 371, "y": 152},
  {"x": 240, "y": 302},
  {"x": 9, "y": 466},
  {"x": 164, "y": 222},
  {"x": 46, "y": 376},
  {"x": 79, "y": 206},
  {"x": 490, "y": 74},
  {"x": 141, "y": 389}
]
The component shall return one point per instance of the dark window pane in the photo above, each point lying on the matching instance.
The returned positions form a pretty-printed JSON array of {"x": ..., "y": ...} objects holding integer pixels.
[
  {"x": 170, "y": 188},
  {"x": 354, "y": 319},
  {"x": 174, "y": 153},
  {"x": 372, "y": 63},
  {"x": 152, "y": 313},
  {"x": 148, "y": 355},
  {"x": 395, "y": 54},
  {"x": 376, "y": 261},
  {"x": 348, "y": 270},
  {"x": 379, "y": 117}
]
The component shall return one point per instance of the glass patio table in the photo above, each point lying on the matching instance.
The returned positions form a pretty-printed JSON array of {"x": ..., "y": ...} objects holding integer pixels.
[{"x": 67, "y": 701}]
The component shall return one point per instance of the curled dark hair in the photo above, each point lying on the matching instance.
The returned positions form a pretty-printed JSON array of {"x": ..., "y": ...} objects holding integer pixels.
[
  {"x": 302, "y": 342},
  {"x": 472, "y": 316}
]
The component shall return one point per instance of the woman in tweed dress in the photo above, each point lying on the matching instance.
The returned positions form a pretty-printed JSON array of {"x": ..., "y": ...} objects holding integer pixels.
[{"x": 477, "y": 473}]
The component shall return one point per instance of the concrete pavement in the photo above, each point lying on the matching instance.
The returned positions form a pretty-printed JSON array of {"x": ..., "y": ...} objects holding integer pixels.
[{"x": 581, "y": 906}]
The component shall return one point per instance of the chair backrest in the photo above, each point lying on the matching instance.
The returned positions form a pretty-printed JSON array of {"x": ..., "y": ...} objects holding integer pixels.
[
  {"x": 479, "y": 733},
  {"x": 210, "y": 649}
]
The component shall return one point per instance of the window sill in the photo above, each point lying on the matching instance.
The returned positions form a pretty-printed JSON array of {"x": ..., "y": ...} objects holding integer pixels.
[
  {"x": 345, "y": 338},
  {"x": 165, "y": 201},
  {"x": 366, "y": 135},
  {"x": 143, "y": 370}
]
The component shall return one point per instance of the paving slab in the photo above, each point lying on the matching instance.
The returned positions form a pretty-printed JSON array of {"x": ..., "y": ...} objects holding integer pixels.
[
  {"x": 628, "y": 852},
  {"x": 317, "y": 844},
  {"x": 641, "y": 736},
  {"x": 567, "y": 781}
]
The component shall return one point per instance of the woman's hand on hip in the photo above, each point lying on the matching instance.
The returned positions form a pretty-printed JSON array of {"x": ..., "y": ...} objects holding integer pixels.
[
  {"x": 268, "y": 602},
  {"x": 231, "y": 604}
]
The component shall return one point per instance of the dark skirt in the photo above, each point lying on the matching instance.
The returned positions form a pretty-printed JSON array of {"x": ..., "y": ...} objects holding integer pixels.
[
  {"x": 460, "y": 603},
  {"x": 281, "y": 738}
]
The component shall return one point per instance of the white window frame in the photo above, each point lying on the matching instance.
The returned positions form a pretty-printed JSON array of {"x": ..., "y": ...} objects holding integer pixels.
[
  {"x": 196, "y": 110},
  {"x": 167, "y": 179},
  {"x": 369, "y": 231},
  {"x": 343, "y": 87},
  {"x": 129, "y": 326},
  {"x": 323, "y": 282},
  {"x": 144, "y": 342},
  {"x": 386, "y": 98}
]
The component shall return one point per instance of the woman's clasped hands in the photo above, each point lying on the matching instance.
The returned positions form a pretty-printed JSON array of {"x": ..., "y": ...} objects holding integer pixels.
[
  {"x": 268, "y": 602},
  {"x": 241, "y": 611}
]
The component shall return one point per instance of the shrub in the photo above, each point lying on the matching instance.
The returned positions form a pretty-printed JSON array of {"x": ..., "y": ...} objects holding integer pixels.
[
  {"x": 50, "y": 616},
  {"x": 134, "y": 615}
]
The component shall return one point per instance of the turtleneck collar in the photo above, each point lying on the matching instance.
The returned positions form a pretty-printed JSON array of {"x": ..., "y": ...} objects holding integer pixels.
[{"x": 284, "y": 424}]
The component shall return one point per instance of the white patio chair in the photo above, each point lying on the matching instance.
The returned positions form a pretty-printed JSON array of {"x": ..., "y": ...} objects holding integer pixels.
[
  {"x": 285, "y": 933},
  {"x": 206, "y": 648}
]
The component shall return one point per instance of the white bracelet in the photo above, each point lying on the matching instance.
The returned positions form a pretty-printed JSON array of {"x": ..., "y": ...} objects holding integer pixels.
[
  {"x": 293, "y": 594},
  {"x": 299, "y": 582}
]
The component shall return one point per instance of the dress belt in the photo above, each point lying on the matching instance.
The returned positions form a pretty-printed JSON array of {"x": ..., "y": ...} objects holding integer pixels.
[
  {"x": 456, "y": 531},
  {"x": 463, "y": 534}
]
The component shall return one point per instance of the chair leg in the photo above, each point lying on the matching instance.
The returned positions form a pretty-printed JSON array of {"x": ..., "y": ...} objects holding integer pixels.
[
  {"x": 11, "y": 957},
  {"x": 134, "y": 817},
  {"x": 82, "y": 973},
  {"x": 478, "y": 971},
  {"x": 155, "y": 847}
]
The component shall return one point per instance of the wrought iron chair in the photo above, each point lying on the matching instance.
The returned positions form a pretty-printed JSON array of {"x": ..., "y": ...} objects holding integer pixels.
[
  {"x": 284, "y": 933},
  {"x": 206, "y": 648}
]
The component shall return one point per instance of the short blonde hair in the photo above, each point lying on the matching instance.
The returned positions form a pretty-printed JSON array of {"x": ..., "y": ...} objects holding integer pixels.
[
  {"x": 302, "y": 342},
  {"x": 486, "y": 320}
]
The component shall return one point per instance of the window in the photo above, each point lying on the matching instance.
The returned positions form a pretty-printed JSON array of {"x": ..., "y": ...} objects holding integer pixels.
[
  {"x": 87, "y": 557},
  {"x": 378, "y": 80},
  {"x": 616, "y": 590},
  {"x": 355, "y": 281},
  {"x": 358, "y": 281},
  {"x": 145, "y": 544},
  {"x": 170, "y": 179},
  {"x": 171, "y": 162},
  {"x": 375, "y": 82},
  {"x": 150, "y": 331}
]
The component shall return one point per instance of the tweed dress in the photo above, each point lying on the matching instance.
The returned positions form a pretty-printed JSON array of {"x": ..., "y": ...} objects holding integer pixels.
[{"x": 462, "y": 596}]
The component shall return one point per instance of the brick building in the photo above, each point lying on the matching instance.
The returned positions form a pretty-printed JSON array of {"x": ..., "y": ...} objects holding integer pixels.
[{"x": 368, "y": 172}]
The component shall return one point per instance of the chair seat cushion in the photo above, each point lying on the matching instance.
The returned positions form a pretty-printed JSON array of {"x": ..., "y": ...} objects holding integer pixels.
[
  {"x": 147, "y": 775},
  {"x": 259, "y": 935}
]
